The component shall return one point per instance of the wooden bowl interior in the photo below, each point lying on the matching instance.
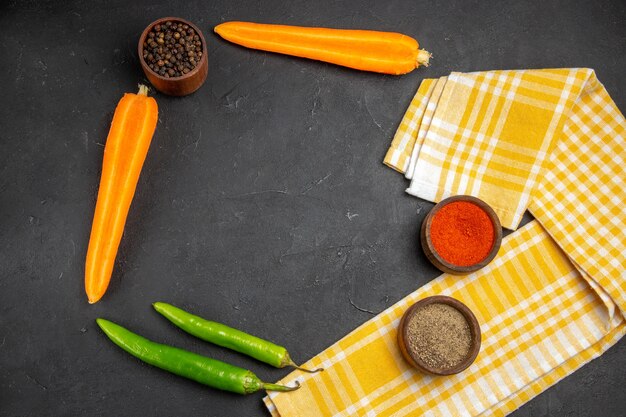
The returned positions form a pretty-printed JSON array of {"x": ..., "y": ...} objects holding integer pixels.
[
  {"x": 436, "y": 259},
  {"x": 415, "y": 361},
  {"x": 186, "y": 83}
]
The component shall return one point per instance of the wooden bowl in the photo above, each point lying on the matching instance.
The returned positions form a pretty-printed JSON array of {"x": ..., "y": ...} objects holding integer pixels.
[
  {"x": 414, "y": 360},
  {"x": 437, "y": 260},
  {"x": 176, "y": 86}
]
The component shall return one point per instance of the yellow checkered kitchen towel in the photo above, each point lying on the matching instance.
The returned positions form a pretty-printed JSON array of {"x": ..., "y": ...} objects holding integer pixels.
[
  {"x": 555, "y": 296},
  {"x": 540, "y": 321}
]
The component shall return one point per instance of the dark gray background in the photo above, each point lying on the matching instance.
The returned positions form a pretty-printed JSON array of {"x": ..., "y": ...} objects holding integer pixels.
[{"x": 263, "y": 202}]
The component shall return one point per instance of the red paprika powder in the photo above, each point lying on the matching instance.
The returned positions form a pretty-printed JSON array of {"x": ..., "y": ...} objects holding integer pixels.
[{"x": 462, "y": 233}]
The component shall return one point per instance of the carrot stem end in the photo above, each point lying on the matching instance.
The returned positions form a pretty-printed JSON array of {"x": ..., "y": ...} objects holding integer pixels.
[
  {"x": 423, "y": 58},
  {"x": 143, "y": 90}
]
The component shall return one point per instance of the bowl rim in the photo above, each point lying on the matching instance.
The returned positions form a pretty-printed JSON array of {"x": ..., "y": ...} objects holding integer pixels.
[
  {"x": 415, "y": 361},
  {"x": 433, "y": 255},
  {"x": 191, "y": 73}
]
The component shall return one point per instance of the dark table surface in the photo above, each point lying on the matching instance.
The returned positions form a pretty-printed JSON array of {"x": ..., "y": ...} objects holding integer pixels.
[{"x": 263, "y": 202}]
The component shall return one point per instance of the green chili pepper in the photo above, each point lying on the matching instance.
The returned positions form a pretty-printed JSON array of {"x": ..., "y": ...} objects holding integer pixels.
[
  {"x": 228, "y": 337},
  {"x": 204, "y": 370}
]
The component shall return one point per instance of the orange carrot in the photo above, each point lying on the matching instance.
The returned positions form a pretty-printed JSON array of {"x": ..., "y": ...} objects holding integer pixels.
[
  {"x": 384, "y": 52},
  {"x": 126, "y": 147}
]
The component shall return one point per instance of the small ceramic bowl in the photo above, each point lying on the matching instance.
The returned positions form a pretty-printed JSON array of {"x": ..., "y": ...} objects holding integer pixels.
[
  {"x": 176, "y": 86},
  {"x": 436, "y": 259},
  {"x": 414, "y": 360}
]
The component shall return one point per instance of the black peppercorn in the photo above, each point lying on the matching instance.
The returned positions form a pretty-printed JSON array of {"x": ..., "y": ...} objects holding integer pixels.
[{"x": 172, "y": 49}]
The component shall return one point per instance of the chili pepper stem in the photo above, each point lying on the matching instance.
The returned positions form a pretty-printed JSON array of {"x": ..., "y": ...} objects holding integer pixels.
[
  {"x": 281, "y": 388},
  {"x": 311, "y": 371},
  {"x": 423, "y": 57}
]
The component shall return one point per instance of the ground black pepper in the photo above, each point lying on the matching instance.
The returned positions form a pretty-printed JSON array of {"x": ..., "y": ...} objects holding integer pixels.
[
  {"x": 439, "y": 335},
  {"x": 172, "y": 49}
]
